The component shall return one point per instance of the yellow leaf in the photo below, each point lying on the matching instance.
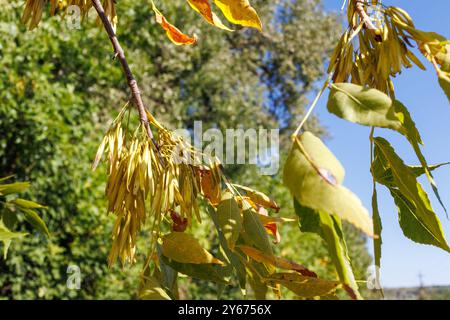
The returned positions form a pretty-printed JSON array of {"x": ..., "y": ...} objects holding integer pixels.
[
  {"x": 182, "y": 247},
  {"x": 240, "y": 12},
  {"x": 173, "y": 33},
  {"x": 314, "y": 177},
  {"x": 259, "y": 198},
  {"x": 152, "y": 290},
  {"x": 211, "y": 187},
  {"x": 204, "y": 8}
]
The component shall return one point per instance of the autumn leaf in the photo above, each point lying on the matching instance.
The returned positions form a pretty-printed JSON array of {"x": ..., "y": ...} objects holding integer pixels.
[
  {"x": 179, "y": 223},
  {"x": 173, "y": 33},
  {"x": 259, "y": 198},
  {"x": 240, "y": 12},
  {"x": 211, "y": 187},
  {"x": 184, "y": 248},
  {"x": 203, "y": 7},
  {"x": 270, "y": 224}
]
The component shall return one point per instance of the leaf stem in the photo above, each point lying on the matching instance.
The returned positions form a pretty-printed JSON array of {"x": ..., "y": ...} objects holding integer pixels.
[
  {"x": 359, "y": 7},
  {"x": 311, "y": 109}
]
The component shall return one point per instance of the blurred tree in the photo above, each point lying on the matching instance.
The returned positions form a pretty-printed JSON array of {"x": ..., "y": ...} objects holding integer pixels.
[{"x": 59, "y": 88}]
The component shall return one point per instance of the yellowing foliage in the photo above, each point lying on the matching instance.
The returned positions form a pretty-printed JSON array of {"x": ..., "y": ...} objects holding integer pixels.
[{"x": 173, "y": 33}]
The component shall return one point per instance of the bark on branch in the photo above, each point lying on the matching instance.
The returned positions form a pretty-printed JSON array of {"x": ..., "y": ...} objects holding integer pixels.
[{"x": 120, "y": 55}]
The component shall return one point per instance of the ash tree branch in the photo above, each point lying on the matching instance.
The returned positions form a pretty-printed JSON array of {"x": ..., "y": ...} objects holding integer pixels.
[
  {"x": 359, "y": 7},
  {"x": 120, "y": 55}
]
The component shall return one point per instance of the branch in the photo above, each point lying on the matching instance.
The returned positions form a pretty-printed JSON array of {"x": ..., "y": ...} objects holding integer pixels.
[
  {"x": 359, "y": 7},
  {"x": 120, "y": 55}
]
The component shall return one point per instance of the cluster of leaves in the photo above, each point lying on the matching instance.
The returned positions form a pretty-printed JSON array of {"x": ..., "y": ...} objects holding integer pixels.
[
  {"x": 372, "y": 51},
  {"x": 275, "y": 59},
  {"x": 245, "y": 252},
  {"x": 12, "y": 208},
  {"x": 166, "y": 174},
  {"x": 238, "y": 12}
]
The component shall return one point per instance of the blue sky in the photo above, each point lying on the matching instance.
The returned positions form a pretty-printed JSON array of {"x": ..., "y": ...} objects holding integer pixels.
[{"x": 402, "y": 259}]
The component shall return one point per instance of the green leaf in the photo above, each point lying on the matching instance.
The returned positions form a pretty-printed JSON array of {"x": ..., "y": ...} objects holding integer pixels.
[
  {"x": 33, "y": 218},
  {"x": 305, "y": 287},
  {"x": 6, "y": 178},
  {"x": 233, "y": 258},
  {"x": 444, "y": 82},
  {"x": 6, "y": 236},
  {"x": 330, "y": 229},
  {"x": 152, "y": 290},
  {"x": 406, "y": 183},
  {"x": 259, "y": 288},
  {"x": 209, "y": 272},
  {"x": 6, "y": 245},
  {"x": 374, "y": 108},
  {"x": 314, "y": 177},
  {"x": 377, "y": 229},
  {"x": 384, "y": 175},
  {"x": 26, "y": 204},
  {"x": 184, "y": 248},
  {"x": 254, "y": 232},
  {"x": 12, "y": 188},
  {"x": 259, "y": 198},
  {"x": 362, "y": 105},
  {"x": 9, "y": 218},
  {"x": 229, "y": 218},
  {"x": 413, "y": 228},
  {"x": 167, "y": 276},
  {"x": 308, "y": 219},
  {"x": 410, "y": 131}
]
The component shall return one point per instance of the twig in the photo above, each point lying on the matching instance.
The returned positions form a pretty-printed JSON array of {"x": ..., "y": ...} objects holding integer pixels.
[
  {"x": 120, "y": 55},
  {"x": 359, "y": 7}
]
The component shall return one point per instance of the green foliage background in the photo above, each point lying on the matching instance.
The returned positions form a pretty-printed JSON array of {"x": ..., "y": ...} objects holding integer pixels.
[{"x": 60, "y": 88}]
